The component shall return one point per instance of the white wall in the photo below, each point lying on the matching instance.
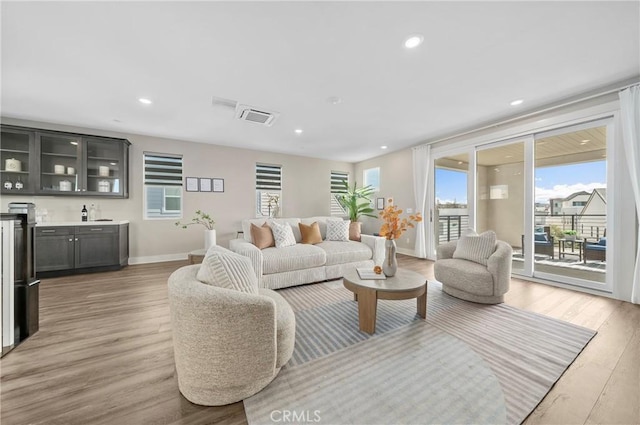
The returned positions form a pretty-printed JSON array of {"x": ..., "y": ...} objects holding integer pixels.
[{"x": 306, "y": 192}]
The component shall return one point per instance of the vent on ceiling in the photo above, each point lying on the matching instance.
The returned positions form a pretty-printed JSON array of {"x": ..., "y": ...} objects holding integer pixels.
[
  {"x": 221, "y": 101},
  {"x": 249, "y": 113}
]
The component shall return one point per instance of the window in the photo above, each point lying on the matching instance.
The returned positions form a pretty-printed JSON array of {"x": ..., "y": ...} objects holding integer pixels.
[
  {"x": 371, "y": 177},
  {"x": 162, "y": 186},
  {"x": 268, "y": 190},
  {"x": 337, "y": 188}
]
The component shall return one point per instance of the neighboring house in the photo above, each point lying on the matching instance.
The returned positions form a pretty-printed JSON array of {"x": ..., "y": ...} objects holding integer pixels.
[
  {"x": 592, "y": 220},
  {"x": 572, "y": 204}
]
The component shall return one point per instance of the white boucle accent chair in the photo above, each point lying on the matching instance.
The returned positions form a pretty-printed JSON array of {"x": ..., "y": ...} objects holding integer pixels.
[
  {"x": 471, "y": 281},
  {"x": 228, "y": 343}
]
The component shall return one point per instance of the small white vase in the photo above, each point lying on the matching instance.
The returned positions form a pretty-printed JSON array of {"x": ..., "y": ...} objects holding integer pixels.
[{"x": 209, "y": 238}]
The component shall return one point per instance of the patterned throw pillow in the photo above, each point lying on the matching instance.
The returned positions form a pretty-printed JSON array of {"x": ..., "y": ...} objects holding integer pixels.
[
  {"x": 311, "y": 233},
  {"x": 338, "y": 230},
  {"x": 283, "y": 234},
  {"x": 228, "y": 270},
  {"x": 476, "y": 247},
  {"x": 262, "y": 237}
]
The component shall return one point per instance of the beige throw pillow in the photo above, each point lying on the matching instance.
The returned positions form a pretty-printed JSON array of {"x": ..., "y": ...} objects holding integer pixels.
[
  {"x": 262, "y": 237},
  {"x": 229, "y": 271},
  {"x": 476, "y": 247},
  {"x": 310, "y": 233}
]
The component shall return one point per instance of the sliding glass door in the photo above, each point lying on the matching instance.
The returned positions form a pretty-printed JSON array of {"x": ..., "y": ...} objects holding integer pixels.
[
  {"x": 500, "y": 195},
  {"x": 451, "y": 213}
]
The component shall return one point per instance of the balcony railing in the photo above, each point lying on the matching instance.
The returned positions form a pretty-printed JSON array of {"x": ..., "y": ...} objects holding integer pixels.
[{"x": 451, "y": 227}]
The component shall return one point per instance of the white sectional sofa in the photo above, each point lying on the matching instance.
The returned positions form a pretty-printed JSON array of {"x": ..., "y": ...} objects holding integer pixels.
[{"x": 305, "y": 263}]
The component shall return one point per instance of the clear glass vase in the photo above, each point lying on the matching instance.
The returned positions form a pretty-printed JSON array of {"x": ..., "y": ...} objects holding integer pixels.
[{"x": 390, "y": 264}]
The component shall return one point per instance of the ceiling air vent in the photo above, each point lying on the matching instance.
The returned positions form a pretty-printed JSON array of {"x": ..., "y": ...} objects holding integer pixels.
[{"x": 249, "y": 113}]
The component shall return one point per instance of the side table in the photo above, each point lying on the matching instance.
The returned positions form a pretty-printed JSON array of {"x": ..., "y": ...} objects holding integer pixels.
[{"x": 196, "y": 257}]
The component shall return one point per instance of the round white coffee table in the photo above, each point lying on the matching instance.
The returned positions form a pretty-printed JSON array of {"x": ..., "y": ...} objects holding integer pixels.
[{"x": 405, "y": 285}]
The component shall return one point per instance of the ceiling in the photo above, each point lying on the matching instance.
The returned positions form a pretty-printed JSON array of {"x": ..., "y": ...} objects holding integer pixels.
[{"x": 87, "y": 64}]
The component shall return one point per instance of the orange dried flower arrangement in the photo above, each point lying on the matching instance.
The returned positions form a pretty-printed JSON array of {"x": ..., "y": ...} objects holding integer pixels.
[{"x": 393, "y": 227}]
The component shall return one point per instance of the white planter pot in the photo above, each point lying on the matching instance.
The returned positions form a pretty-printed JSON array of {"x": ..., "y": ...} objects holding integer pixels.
[{"x": 209, "y": 238}]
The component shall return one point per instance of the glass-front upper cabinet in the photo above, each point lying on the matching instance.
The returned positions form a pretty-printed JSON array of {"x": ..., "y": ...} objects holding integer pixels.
[
  {"x": 106, "y": 167},
  {"x": 46, "y": 162},
  {"x": 60, "y": 162},
  {"x": 16, "y": 147}
]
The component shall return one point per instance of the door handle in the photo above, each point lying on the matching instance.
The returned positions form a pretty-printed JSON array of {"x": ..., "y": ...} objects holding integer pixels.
[{"x": 71, "y": 240}]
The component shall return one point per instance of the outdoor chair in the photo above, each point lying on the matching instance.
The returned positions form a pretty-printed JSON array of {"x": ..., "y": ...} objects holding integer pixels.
[
  {"x": 544, "y": 244},
  {"x": 595, "y": 251}
]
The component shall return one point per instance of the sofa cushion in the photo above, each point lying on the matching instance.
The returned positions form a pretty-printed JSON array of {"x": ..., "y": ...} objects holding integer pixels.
[
  {"x": 310, "y": 233},
  {"x": 297, "y": 257},
  {"x": 345, "y": 252},
  {"x": 262, "y": 236},
  {"x": 476, "y": 248},
  {"x": 283, "y": 234},
  {"x": 602, "y": 241},
  {"x": 540, "y": 237},
  {"x": 228, "y": 270},
  {"x": 338, "y": 230}
]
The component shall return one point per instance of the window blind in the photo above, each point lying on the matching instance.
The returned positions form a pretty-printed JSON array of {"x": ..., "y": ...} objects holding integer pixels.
[
  {"x": 268, "y": 177},
  {"x": 162, "y": 170},
  {"x": 337, "y": 179}
]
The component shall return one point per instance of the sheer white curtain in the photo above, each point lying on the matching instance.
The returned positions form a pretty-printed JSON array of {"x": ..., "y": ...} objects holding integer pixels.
[
  {"x": 630, "y": 119},
  {"x": 421, "y": 158}
]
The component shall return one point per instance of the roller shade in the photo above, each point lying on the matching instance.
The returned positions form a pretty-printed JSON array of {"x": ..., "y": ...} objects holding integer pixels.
[
  {"x": 162, "y": 170},
  {"x": 268, "y": 177}
]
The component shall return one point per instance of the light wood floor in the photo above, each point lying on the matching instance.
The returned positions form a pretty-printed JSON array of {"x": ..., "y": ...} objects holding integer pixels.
[{"x": 103, "y": 355}]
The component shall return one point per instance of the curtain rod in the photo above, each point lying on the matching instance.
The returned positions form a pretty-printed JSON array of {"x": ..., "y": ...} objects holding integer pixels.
[{"x": 617, "y": 88}]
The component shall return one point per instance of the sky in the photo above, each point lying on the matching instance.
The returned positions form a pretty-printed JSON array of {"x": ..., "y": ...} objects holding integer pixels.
[{"x": 550, "y": 182}]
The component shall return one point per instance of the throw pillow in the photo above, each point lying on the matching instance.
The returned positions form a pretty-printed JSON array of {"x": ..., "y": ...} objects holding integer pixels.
[
  {"x": 476, "y": 248},
  {"x": 262, "y": 237},
  {"x": 283, "y": 234},
  {"x": 311, "y": 233},
  {"x": 338, "y": 230},
  {"x": 228, "y": 270}
]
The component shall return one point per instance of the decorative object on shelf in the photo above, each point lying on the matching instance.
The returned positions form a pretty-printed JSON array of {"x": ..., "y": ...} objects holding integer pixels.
[
  {"x": 12, "y": 164},
  {"x": 103, "y": 171},
  {"x": 8, "y": 184},
  {"x": 208, "y": 222},
  {"x": 71, "y": 171},
  {"x": 392, "y": 228},
  {"x": 65, "y": 186},
  {"x": 104, "y": 186},
  {"x": 58, "y": 169},
  {"x": 19, "y": 185}
]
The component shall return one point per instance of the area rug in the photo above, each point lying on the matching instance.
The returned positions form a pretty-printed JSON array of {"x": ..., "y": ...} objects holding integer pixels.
[{"x": 466, "y": 363}]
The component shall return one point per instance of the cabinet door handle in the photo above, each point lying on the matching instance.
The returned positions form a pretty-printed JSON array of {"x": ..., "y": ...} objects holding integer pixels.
[
  {"x": 76, "y": 239},
  {"x": 71, "y": 240},
  {"x": 49, "y": 231},
  {"x": 96, "y": 230}
]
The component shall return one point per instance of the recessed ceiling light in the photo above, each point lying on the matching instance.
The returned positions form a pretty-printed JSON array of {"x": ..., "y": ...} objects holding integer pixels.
[
  {"x": 413, "y": 41},
  {"x": 334, "y": 100},
  {"x": 145, "y": 101},
  {"x": 74, "y": 143},
  {"x": 460, "y": 162},
  {"x": 383, "y": 147},
  {"x": 298, "y": 131},
  {"x": 113, "y": 163},
  {"x": 517, "y": 102},
  {"x": 584, "y": 142},
  {"x": 509, "y": 156}
]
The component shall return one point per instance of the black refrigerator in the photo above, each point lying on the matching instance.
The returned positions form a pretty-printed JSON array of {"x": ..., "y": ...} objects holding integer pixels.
[{"x": 20, "y": 289}]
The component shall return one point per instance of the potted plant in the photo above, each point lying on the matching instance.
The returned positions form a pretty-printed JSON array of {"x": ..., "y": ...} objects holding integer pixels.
[
  {"x": 205, "y": 220},
  {"x": 570, "y": 235},
  {"x": 357, "y": 202}
]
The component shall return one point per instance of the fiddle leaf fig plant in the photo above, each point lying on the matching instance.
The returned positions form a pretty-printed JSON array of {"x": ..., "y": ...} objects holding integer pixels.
[{"x": 356, "y": 200}]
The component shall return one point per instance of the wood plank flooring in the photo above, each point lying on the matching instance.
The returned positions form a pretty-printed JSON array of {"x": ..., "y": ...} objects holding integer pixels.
[{"x": 104, "y": 355}]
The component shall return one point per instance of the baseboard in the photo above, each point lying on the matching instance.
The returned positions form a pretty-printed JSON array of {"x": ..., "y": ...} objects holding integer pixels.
[
  {"x": 157, "y": 258},
  {"x": 405, "y": 251}
]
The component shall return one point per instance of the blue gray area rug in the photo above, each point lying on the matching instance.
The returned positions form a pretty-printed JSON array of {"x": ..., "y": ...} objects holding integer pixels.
[{"x": 466, "y": 363}]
